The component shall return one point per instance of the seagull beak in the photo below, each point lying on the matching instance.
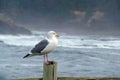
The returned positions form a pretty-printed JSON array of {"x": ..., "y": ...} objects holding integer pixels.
[{"x": 57, "y": 35}]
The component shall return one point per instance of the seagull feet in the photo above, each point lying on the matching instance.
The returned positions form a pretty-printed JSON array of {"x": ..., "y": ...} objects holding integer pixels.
[{"x": 49, "y": 62}]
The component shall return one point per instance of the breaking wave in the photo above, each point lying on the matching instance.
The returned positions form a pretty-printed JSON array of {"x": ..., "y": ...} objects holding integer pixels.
[{"x": 64, "y": 41}]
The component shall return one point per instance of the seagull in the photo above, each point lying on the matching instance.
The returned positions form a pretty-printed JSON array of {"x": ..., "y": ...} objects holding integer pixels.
[{"x": 45, "y": 46}]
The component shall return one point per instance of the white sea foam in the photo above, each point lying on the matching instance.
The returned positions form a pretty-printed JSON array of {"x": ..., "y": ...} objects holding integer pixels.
[
  {"x": 21, "y": 40},
  {"x": 64, "y": 41}
]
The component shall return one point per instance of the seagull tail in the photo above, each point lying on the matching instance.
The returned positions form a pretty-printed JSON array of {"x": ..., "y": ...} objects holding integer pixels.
[{"x": 27, "y": 55}]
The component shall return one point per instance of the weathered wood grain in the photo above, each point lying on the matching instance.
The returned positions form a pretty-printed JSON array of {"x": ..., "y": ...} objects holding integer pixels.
[{"x": 50, "y": 71}]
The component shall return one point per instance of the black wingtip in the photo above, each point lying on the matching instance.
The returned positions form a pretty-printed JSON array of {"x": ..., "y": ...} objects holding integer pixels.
[{"x": 26, "y": 56}]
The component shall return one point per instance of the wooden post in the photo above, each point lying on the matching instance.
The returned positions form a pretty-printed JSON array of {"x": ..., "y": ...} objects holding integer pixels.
[{"x": 50, "y": 71}]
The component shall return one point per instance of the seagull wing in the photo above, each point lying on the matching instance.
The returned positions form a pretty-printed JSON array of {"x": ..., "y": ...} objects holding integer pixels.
[{"x": 40, "y": 46}]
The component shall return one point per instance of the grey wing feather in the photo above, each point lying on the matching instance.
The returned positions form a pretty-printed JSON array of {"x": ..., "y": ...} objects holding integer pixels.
[{"x": 40, "y": 46}]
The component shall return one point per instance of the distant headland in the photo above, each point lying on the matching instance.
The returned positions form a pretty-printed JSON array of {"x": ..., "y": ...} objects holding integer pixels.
[{"x": 7, "y": 27}]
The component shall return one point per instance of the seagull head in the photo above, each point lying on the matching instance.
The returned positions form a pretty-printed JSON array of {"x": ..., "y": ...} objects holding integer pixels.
[{"x": 53, "y": 34}]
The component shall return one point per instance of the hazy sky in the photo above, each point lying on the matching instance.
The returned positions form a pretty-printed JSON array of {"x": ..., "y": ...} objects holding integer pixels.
[{"x": 73, "y": 16}]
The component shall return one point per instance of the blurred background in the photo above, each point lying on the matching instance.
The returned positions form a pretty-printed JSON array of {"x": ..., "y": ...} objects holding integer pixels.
[{"x": 81, "y": 17}]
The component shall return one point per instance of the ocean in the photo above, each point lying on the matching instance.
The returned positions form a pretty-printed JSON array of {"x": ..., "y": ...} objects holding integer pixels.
[{"x": 76, "y": 56}]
